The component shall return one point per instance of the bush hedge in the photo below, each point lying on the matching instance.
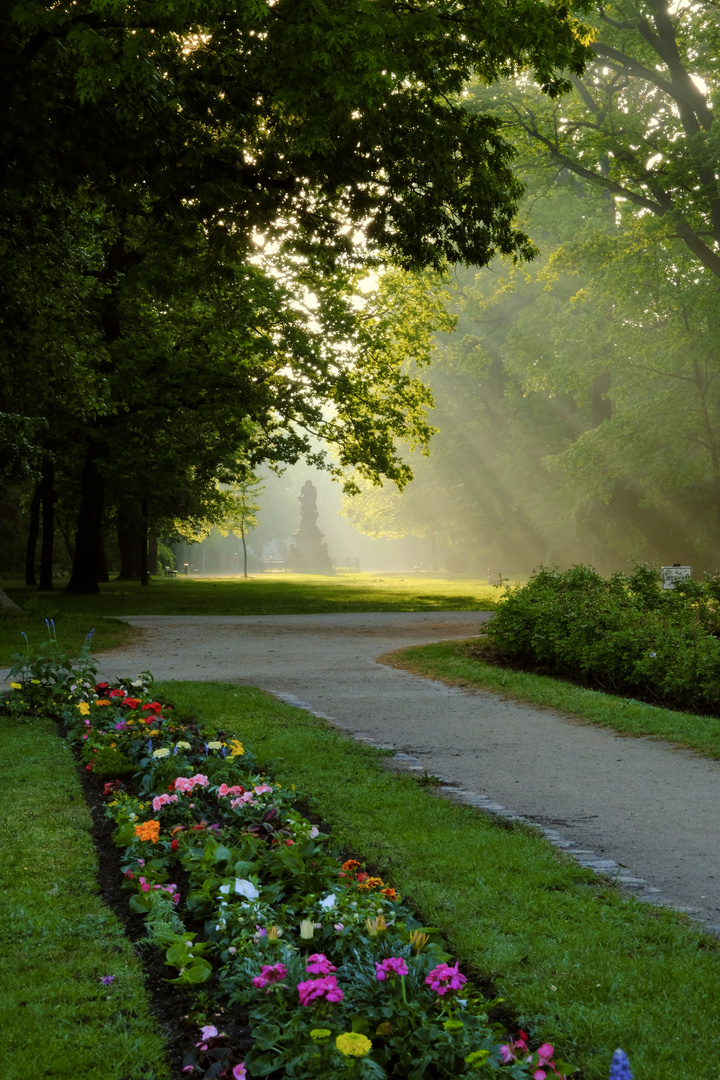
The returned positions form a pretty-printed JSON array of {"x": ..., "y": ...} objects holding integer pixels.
[{"x": 623, "y": 634}]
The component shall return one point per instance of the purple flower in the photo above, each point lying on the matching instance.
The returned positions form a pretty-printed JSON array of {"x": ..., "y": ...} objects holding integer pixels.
[
  {"x": 394, "y": 965},
  {"x": 318, "y": 964},
  {"x": 107, "y": 979},
  {"x": 269, "y": 974},
  {"x": 315, "y": 989},
  {"x": 620, "y": 1067},
  {"x": 444, "y": 978}
]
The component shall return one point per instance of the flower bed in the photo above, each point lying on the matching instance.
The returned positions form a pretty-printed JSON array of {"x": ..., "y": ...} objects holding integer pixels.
[{"x": 331, "y": 968}]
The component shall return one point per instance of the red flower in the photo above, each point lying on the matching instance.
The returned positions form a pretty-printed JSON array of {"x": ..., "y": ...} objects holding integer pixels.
[
  {"x": 89, "y": 767},
  {"x": 101, "y": 687},
  {"x": 154, "y": 705},
  {"x": 174, "y": 845},
  {"x": 115, "y": 693},
  {"x": 131, "y": 702}
]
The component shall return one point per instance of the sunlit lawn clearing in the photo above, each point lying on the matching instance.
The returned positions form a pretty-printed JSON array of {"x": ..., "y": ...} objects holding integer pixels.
[
  {"x": 271, "y": 594},
  {"x": 448, "y": 661},
  {"x": 580, "y": 965},
  {"x": 57, "y": 938}
]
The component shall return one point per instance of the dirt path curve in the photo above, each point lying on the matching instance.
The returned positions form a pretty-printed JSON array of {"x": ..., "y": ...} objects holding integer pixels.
[{"x": 650, "y": 808}]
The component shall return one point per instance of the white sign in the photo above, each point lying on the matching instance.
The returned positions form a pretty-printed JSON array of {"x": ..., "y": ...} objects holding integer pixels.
[{"x": 671, "y": 574}]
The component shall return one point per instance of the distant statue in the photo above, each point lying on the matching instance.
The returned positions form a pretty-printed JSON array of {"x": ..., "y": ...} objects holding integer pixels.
[{"x": 308, "y": 554}]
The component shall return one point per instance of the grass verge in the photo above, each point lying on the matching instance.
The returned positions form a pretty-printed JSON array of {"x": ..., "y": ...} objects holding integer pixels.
[
  {"x": 449, "y": 662},
  {"x": 580, "y": 965},
  {"x": 57, "y": 939},
  {"x": 72, "y": 628}
]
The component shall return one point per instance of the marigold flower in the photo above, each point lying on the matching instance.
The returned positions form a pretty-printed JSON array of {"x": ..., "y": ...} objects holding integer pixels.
[
  {"x": 148, "y": 830},
  {"x": 102, "y": 701},
  {"x": 161, "y": 753},
  {"x": 350, "y": 865},
  {"x": 320, "y": 1034},
  {"x": 215, "y": 745},
  {"x": 83, "y": 706},
  {"x": 353, "y": 1044},
  {"x": 18, "y": 686},
  {"x": 389, "y": 894},
  {"x": 236, "y": 748},
  {"x": 370, "y": 883}
]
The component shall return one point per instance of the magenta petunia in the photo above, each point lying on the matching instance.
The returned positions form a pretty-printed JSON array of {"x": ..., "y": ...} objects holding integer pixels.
[
  {"x": 318, "y": 964},
  {"x": 394, "y": 965}
]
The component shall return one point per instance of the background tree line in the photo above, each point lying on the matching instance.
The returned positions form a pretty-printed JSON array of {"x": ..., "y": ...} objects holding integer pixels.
[
  {"x": 189, "y": 196},
  {"x": 578, "y": 400}
]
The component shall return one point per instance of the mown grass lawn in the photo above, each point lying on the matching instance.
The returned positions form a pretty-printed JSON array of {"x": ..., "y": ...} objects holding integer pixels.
[
  {"x": 579, "y": 964},
  {"x": 57, "y": 939},
  {"x": 271, "y": 594}
]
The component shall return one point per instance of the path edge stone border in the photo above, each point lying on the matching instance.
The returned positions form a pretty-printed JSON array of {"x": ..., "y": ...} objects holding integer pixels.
[{"x": 620, "y": 876}]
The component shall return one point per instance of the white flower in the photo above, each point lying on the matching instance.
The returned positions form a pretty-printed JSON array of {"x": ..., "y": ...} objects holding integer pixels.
[
  {"x": 225, "y": 889},
  {"x": 329, "y": 902},
  {"x": 162, "y": 752},
  {"x": 215, "y": 745},
  {"x": 183, "y": 745},
  {"x": 307, "y": 929},
  {"x": 246, "y": 888}
]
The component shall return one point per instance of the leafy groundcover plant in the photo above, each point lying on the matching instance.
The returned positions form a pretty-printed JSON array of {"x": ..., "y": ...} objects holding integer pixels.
[{"x": 622, "y": 633}]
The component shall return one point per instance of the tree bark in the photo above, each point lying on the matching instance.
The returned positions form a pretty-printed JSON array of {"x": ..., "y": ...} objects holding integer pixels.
[
  {"x": 153, "y": 555},
  {"x": 47, "y": 486},
  {"x": 88, "y": 540},
  {"x": 144, "y": 576},
  {"x": 33, "y": 530},
  {"x": 128, "y": 534}
]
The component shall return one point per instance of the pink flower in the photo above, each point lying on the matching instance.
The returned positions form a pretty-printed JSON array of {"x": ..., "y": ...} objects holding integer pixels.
[
  {"x": 545, "y": 1054},
  {"x": 163, "y": 800},
  {"x": 270, "y": 974},
  {"x": 209, "y": 1032},
  {"x": 262, "y": 789},
  {"x": 444, "y": 978},
  {"x": 394, "y": 965},
  {"x": 316, "y": 989},
  {"x": 236, "y": 789},
  {"x": 246, "y": 798},
  {"x": 186, "y": 784},
  {"x": 338, "y": 927},
  {"x": 239, "y": 1071},
  {"x": 318, "y": 964},
  {"x": 314, "y": 832}
]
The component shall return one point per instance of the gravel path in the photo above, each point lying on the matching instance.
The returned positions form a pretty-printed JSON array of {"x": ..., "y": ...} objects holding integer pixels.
[{"x": 635, "y": 808}]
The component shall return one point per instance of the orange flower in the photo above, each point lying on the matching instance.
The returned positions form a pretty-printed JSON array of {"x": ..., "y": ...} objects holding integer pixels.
[
  {"x": 371, "y": 883},
  {"x": 351, "y": 864},
  {"x": 148, "y": 830},
  {"x": 102, "y": 701},
  {"x": 390, "y": 894}
]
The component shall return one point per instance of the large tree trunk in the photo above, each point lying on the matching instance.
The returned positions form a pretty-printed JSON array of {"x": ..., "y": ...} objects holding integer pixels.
[
  {"x": 88, "y": 541},
  {"x": 33, "y": 530},
  {"x": 47, "y": 487},
  {"x": 128, "y": 534}
]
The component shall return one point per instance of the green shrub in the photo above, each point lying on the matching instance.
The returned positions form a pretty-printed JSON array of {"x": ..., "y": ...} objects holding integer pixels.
[{"x": 622, "y": 633}]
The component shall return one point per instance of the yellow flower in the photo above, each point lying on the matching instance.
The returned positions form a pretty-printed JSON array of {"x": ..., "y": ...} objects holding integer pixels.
[
  {"x": 16, "y": 686},
  {"x": 84, "y": 708},
  {"x": 236, "y": 748},
  {"x": 35, "y": 682},
  {"x": 353, "y": 1044}
]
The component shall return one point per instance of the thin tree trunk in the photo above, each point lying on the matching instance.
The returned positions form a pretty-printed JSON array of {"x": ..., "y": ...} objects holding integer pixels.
[
  {"x": 33, "y": 530},
  {"x": 144, "y": 577},
  {"x": 153, "y": 555},
  {"x": 88, "y": 540},
  {"x": 242, "y": 537},
  {"x": 128, "y": 534},
  {"x": 48, "y": 527}
]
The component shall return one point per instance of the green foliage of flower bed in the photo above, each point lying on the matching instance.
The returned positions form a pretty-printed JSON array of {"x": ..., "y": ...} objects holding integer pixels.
[
  {"x": 266, "y": 908},
  {"x": 583, "y": 967},
  {"x": 57, "y": 939},
  {"x": 620, "y": 633}
]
